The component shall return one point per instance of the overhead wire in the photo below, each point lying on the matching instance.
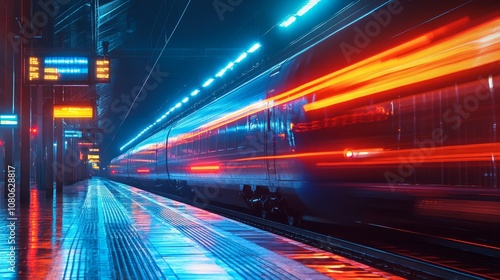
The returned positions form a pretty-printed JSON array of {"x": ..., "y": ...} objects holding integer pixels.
[{"x": 150, "y": 72}]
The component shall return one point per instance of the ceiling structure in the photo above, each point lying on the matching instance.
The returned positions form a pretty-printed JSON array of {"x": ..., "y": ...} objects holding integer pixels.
[{"x": 162, "y": 50}]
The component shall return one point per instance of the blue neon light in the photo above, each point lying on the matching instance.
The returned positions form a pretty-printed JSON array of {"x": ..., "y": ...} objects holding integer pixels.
[
  {"x": 254, "y": 48},
  {"x": 67, "y": 68},
  {"x": 195, "y": 92},
  {"x": 289, "y": 21},
  {"x": 300, "y": 13},
  {"x": 208, "y": 82},
  {"x": 241, "y": 57}
]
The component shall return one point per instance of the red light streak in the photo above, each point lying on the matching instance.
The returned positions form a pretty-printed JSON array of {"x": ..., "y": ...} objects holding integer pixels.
[
  {"x": 143, "y": 171},
  {"x": 300, "y": 155},
  {"x": 85, "y": 144},
  {"x": 374, "y": 156},
  {"x": 448, "y": 154}
]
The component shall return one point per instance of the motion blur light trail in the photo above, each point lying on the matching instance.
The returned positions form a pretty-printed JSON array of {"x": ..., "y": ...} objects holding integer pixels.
[
  {"x": 407, "y": 64},
  {"x": 470, "y": 49}
]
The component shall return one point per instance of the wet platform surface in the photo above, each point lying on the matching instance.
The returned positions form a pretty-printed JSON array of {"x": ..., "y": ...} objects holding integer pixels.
[{"x": 99, "y": 229}]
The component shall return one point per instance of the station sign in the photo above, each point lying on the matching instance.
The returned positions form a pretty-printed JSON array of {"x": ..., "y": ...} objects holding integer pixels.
[
  {"x": 85, "y": 144},
  {"x": 72, "y": 134},
  {"x": 58, "y": 70},
  {"x": 74, "y": 111},
  {"x": 101, "y": 70},
  {"x": 66, "y": 70},
  {"x": 8, "y": 120}
]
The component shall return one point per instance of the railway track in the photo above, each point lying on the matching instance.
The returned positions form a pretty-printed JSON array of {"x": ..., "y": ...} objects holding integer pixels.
[{"x": 409, "y": 254}]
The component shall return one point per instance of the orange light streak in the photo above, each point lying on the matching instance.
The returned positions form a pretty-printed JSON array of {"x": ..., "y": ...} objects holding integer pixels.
[
  {"x": 406, "y": 64},
  {"x": 142, "y": 171},
  {"x": 375, "y": 156},
  {"x": 205, "y": 168},
  {"x": 467, "y": 50}
]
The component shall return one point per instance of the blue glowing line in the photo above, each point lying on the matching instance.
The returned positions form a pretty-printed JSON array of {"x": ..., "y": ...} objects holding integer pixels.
[
  {"x": 254, "y": 48},
  {"x": 307, "y": 7},
  {"x": 208, "y": 82},
  {"x": 241, "y": 57},
  {"x": 289, "y": 21}
]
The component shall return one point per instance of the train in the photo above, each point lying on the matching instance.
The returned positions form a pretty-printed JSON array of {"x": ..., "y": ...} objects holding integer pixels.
[{"x": 392, "y": 114}]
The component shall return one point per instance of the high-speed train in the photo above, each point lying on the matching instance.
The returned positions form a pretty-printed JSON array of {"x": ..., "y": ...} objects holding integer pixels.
[{"x": 393, "y": 113}]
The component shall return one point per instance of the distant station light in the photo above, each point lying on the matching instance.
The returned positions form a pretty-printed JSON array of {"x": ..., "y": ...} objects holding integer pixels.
[
  {"x": 8, "y": 120},
  {"x": 33, "y": 130}
]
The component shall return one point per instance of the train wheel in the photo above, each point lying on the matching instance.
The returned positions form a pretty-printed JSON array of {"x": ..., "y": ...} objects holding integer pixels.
[
  {"x": 292, "y": 218},
  {"x": 266, "y": 209},
  {"x": 264, "y": 213}
]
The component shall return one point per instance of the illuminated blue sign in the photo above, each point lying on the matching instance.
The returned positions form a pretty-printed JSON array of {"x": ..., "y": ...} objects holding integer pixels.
[
  {"x": 72, "y": 134},
  {"x": 58, "y": 70},
  {"x": 8, "y": 120},
  {"x": 66, "y": 69}
]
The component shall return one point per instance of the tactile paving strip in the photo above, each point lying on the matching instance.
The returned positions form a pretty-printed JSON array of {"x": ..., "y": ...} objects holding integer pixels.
[
  {"x": 243, "y": 261},
  {"x": 127, "y": 250},
  {"x": 82, "y": 245}
]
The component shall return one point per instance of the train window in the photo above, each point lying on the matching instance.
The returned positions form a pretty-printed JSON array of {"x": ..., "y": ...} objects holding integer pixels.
[
  {"x": 173, "y": 151},
  {"x": 231, "y": 136},
  {"x": 203, "y": 142},
  {"x": 254, "y": 123},
  {"x": 241, "y": 132},
  {"x": 183, "y": 149},
  {"x": 212, "y": 140},
  {"x": 189, "y": 149},
  {"x": 221, "y": 139},
  {"x": 196, "y": 144}
]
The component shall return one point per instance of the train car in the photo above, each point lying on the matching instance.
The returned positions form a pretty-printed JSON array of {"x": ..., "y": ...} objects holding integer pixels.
[{"x": 393, "y": 113}]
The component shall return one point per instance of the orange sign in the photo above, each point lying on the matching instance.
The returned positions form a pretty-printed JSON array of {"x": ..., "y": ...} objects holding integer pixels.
[
  {"x": 102, "y": 70},
  {"x": 66, "y": 111},
  {"x": 34, "y": 68}
]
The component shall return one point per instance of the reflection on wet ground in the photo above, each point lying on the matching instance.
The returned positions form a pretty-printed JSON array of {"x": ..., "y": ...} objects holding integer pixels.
[{"x": 99, "y": 229}]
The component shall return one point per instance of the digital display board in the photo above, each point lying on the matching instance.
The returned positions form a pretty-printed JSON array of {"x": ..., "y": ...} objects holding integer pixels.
[
  {"x": 55, "y": 70},
  {"x": 74, "y": 111},
  {"x": 72, "y": 134},
  {"x": 101, "y": 70},
  {"x": 8, "y": 120}
]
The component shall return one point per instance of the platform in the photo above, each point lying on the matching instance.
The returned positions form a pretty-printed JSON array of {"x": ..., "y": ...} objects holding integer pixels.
[{"x": 99, "y": 229}]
